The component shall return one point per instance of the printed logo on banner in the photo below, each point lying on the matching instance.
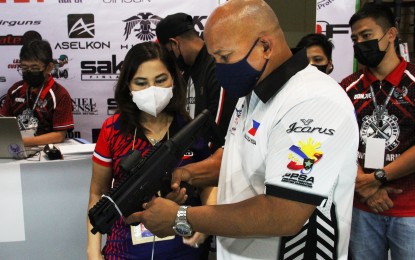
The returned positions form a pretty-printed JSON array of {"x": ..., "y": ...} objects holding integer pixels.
[
  {"x": 72, "y": 134},
  {"x": 12, "y": 23},
  {"x": 81, "y": 26},
  {"x": 124, "y": 1},
  {"x": 14, "y": 65},
  {"x": 21, "y": 1},
  {"x": 70, "y": 1},
  {"x": 11, "y": 39},
  {"x": 84, "y": 106},
  {"x": 331, "y": 29},
  {"x": 323, "y": 3},
  {"x": 111, "y": 106},
  {"x": 143, "y": 25},
  {"x": 2, "y": 98},
  {"x": 60, "y": 70},
  {"x": 101, "y": 70}
]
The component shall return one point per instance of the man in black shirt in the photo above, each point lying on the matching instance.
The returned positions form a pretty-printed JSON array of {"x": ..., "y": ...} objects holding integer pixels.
[{"x": 176, "y": 32}]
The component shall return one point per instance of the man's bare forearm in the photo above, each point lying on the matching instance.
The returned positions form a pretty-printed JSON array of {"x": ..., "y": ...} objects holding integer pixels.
[{"x": 205, "y": 173}]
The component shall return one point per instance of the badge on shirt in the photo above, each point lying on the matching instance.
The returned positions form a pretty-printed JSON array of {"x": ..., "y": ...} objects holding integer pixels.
[
  {"x": 28, "y": 132},
  {"x": 140, "y": 235},
  {"x": 375, "y": 153}
]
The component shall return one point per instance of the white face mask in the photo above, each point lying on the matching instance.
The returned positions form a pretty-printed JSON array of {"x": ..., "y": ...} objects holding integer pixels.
[{"x": 152, "y": 100}]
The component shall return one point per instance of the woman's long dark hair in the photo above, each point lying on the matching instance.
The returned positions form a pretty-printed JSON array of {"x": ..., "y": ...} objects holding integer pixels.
[{"x": 137, "y": 55}]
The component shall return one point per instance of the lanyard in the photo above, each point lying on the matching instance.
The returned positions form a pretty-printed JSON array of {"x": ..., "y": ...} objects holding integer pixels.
[
  {"x": 380, "y": 109},
  {"x": 37, "y": 99}
]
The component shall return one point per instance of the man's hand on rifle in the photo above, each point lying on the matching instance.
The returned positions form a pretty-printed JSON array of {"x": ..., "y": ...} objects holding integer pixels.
[
  {"x": 180, "y": 174},
  {"x": 158, "y": 216}
]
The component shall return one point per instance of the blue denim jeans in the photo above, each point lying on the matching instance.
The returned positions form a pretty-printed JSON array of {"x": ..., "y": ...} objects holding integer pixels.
[{"x": 372, "y": 235}]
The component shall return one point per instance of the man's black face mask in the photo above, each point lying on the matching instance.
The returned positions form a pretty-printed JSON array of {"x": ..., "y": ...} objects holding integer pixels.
[
  {"x": 367, "y": 53},
  {"x": 34, "y": 78}
]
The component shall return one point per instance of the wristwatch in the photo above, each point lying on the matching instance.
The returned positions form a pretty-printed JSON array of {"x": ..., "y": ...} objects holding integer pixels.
[
  {"x": 380, "y": 175},
  {"x": 182, "y": 227}
]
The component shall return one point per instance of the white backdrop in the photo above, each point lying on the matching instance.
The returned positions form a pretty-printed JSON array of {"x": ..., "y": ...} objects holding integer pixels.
[{"x": 93, "y": 37}]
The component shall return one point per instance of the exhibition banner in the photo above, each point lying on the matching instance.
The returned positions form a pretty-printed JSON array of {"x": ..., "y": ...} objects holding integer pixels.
[
  {"x": 89, "y": 40},
  {"x": 333, "y": 20}
]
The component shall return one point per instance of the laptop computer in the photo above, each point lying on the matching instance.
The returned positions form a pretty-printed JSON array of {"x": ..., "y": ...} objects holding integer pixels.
[{"x": 11, "y": 142}]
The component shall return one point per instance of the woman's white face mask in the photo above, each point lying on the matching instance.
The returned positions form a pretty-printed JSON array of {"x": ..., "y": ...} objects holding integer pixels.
[{"x": 152, "y": 100}]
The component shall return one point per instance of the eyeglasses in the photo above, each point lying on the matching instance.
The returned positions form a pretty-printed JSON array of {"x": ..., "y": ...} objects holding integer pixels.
[{"x": 24, "y": 69}]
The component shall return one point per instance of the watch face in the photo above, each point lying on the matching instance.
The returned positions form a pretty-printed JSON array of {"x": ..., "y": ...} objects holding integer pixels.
[
  {"x": 183, "y": 229},
  {"x": 380, "y": 174}
]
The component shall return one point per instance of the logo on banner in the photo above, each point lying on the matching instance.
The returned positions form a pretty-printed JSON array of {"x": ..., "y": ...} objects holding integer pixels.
[
  {"x": 72, "y": 134},
  {"x": 111, "y": 106},
  {"x": 14, "y": 65},
  {"x": 124, "y": 1},
  {"x": 70, "y": 1},
  {"x": 84, "y": 106},
  {"x": 81, "y": 26},
  {"x": 143, "y": 25},
  {"x": 101, "y": 70},
  {"x": 11, "y": 39},
  {"x": 323, "y": 3},
  {"x": 331, "y": 29},
  {"x": 20, "y": 22},
  {"x": 22, "y": 1},
  {"x": 2, "y": 98},
  {"x": 60, "y": 70}
]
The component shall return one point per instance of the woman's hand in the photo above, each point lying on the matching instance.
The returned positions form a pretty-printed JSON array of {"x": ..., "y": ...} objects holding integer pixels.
[
  {"x": 196, "y": 240},
  {"x": 179, "y": 196}
]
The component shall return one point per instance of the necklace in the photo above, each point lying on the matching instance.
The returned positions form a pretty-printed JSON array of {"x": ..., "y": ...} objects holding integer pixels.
[
  {"x": 153, "y": 141},
  {"x": 154, "y": 138}
]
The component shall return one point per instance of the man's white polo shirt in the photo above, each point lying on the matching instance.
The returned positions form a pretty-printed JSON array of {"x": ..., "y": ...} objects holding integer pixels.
[{"x": 296, "y": 139}]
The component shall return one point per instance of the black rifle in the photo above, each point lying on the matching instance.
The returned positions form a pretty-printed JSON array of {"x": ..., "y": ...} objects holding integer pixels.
[{"x": 144, "y": 175}]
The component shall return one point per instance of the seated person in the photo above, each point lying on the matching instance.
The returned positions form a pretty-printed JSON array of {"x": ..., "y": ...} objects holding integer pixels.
[
  {"x": 42, "y": 107},
  {"x": 319, "y": 49}
]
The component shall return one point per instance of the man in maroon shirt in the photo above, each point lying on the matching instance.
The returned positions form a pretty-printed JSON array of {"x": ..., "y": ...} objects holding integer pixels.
[
  {"x": 42, "y": 107},
  {"x": 383, "y": 94}
]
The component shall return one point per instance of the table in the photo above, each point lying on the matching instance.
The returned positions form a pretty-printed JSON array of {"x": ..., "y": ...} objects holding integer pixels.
[{"x": 55, "y": 196}]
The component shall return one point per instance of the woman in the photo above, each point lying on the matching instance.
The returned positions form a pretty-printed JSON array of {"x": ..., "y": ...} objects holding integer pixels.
[
  {"x": 319, "y": 49},
  {"x": 151, "y": 108}
]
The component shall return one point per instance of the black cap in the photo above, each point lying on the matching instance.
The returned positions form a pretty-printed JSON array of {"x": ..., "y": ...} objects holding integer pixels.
[{"x": 172, "y": 26}]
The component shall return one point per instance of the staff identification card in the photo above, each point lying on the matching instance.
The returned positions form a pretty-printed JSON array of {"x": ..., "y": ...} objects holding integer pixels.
[{"x": 375, "y": 153}]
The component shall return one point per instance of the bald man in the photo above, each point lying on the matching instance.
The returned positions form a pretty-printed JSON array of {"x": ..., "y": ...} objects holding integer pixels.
[{"x": 286, "y": 174}]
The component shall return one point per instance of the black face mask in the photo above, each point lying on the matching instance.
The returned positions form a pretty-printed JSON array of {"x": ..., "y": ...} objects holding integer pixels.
[
  {"x": 180, "y": 60},
  {"x": 367, "y": 53},
  {"x": 34, "y": 79},
  {"x": 322, "y": 68}
]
